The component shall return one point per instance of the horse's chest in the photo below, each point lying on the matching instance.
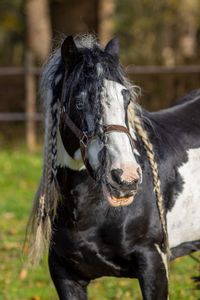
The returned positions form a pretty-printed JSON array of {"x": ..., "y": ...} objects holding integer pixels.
[
  {"x": 92, "y": 253},
  {"x": 183, "y": 220}
]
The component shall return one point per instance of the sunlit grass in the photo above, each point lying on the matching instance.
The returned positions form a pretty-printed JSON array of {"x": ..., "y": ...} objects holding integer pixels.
[{"x": 19, "y": 174}]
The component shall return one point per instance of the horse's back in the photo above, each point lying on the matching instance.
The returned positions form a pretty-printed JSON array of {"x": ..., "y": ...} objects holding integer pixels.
[
  {"x": 180, "y": 123},
  {"x": 191, "y": 96}
]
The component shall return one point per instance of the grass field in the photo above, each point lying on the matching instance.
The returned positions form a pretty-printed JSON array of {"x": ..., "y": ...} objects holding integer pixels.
[{"x": 19, "y": 174}]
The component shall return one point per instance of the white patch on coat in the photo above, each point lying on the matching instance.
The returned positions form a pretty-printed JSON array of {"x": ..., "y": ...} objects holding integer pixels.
[
  {"x": 95, "y": 146},
  {"x": 65, "y": 160},
  {"x": 164, "y": 258},
  {"x": 118, "y": 143},
  {"x": 183, "y": 221},
  {"x": 113, "y": 103}
]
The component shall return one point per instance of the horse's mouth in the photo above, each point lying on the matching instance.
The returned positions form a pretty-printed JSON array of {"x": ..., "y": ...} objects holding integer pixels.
[{"x": 114, "y": 201}]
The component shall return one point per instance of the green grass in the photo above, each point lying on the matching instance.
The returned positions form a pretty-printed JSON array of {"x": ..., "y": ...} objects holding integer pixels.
[{"x": 19, "y": 175}]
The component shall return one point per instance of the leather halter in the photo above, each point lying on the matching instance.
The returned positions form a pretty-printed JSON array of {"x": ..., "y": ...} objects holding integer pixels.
[{"x": 84, "y": 136}]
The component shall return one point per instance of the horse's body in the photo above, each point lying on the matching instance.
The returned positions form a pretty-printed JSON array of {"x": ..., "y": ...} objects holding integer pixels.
[
  {"x": 92, "y": 239},
  {"x": 179, "y": 171}
]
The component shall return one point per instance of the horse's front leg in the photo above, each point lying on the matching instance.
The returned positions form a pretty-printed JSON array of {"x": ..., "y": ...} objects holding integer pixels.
[
  {"x": 152, "y": 273},
  {"x": 68, "y": 285}
]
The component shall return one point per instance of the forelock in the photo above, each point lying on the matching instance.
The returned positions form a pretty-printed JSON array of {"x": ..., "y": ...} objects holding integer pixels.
[{"x": 86, "y": 41}]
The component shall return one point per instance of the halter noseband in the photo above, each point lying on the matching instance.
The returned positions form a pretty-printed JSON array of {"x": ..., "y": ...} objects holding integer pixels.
[{"x": 84, "y": 136}]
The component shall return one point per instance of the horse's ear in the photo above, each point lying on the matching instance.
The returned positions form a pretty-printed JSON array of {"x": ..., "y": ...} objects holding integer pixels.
[
  {"x": 113, "y": 48},
  {"x": 69, "y": 52}
]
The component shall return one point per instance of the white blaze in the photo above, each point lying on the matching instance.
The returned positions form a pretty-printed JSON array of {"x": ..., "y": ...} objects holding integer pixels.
[
  {"x": 119, "y": 148},
  {"x": 118, "y": 143}
]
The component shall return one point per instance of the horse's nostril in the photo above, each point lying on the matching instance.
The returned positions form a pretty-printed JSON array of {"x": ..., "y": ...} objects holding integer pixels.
[
  {"x": 126, "y": 177},
  {"x": 116, "y": 175},
  {"x": 132, "y": 184}
]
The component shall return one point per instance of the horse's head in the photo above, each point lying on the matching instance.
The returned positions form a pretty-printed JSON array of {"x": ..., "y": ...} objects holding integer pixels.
[{"x": 94, "y": 120}]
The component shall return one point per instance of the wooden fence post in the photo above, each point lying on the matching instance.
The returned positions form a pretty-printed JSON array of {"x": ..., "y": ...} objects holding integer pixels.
[{"x": 30, "y": 95}]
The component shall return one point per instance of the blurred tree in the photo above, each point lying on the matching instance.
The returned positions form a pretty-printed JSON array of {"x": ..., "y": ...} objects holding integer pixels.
[
  {"x": 73, "y": 16},
  {"x": 189, "y": 20},
  {"x": 106, "y": 10},
  {"x": 38, "y": 42},
  {"x": 38, "y": 28},
  {"x": 158, "y": 31}
]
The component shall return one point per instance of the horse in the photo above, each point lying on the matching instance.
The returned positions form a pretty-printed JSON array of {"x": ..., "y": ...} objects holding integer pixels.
[{"x": 120, "y": 187}]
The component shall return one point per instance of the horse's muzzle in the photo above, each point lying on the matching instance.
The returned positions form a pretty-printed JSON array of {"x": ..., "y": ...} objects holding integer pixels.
[
  {"x": 127, "y": 182},
  {"x": 122, "y": 185}
]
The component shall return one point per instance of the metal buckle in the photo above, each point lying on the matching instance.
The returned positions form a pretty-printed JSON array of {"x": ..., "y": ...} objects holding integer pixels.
[{"x": 84, "y": 139}]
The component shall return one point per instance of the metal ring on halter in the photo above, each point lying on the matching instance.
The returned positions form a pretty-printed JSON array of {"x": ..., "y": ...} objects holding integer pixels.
[{"x": 84, "y": 139}]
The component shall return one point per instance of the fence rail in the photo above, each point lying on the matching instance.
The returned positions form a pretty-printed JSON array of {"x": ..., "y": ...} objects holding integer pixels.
[
  {"x": 12, "y": 71},
  {"x": 20, "y": 117},
  {"x": 131, "y": 69},
  {"x": 29, "y": 71}
]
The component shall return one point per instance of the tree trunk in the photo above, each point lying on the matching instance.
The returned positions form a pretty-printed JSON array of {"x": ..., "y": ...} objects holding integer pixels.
[
  {"x": 188, "y": 29},
  {"x": 39, "y": 33},
  {"x": 106, "y": 12},
  {"x": 70, "y": 17},
  {"x": 38, "y": 41}
]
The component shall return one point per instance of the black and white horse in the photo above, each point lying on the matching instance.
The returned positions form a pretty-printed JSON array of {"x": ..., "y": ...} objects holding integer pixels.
[{"x": 124, "y": 177}]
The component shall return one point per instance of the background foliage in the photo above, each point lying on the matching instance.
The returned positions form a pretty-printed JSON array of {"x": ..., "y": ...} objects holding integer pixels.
[
  {"x": 159, "y": 32},
  {"x": 156, "y": 31}
]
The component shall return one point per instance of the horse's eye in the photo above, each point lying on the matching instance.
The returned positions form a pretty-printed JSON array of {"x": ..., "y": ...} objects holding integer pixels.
[
  {"x": 127, "y": 97},
  {"x": 79, "y": 105}
]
